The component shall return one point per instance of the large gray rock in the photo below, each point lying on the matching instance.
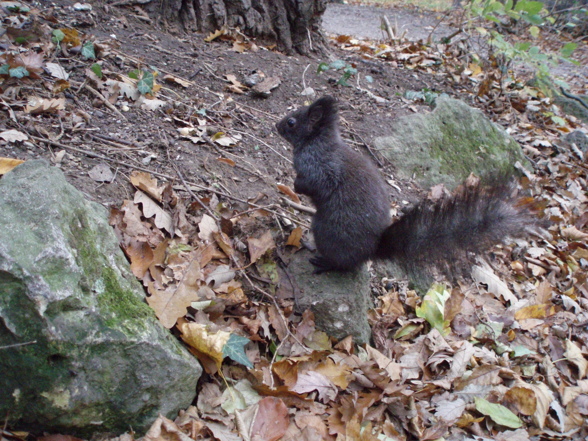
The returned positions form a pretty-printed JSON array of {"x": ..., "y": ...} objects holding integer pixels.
[
  {"x": 446, "y": 145},
  {"x": 80, "y": 350},
  {"x": 339, "y": 301}
]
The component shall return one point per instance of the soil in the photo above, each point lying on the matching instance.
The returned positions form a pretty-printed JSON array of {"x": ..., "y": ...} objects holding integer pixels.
[{"x": 150, "y": 140}]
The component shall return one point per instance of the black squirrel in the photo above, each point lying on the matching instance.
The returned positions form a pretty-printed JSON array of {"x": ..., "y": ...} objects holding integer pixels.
[{"x": 352, "y": 223}]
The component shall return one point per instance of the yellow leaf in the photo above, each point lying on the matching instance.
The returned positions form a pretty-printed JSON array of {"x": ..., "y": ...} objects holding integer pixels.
[
  {"x": 214, "y": 35},
  {"x": 7, "y": 164},
  {"x": 203, "y": 341},
  {"x": 535, "y": 311}
]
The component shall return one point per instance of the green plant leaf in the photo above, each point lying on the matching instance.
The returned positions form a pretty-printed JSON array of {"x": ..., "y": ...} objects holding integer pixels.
[
  {"x": 530, "y": 7},
  {"x": 534, "y": 19},
  {"x": 4, "y": 69},
  {"x": 88, "y": 50},
  {"x": 432, "y": 308},
  {"x": 498, "y": 413},
  {"x": 19, "y": 72},
  {"x": 522, "y": 46},
  {"x": 57, "y": 35},
  {"x": 567, "y": 50},
  {"x": 559, "y": 121},
  {"x": 145, "y": 84},
  {"x": 337, "y": 64},
  {"x": 534, "y": 31},
  {"x": 97, "y": 69},
  {"x": 322, "y": 67},
  {"x": 235, "y": 349}
]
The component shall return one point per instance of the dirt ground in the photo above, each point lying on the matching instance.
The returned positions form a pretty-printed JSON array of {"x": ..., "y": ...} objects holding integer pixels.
[{"x": 150, "y": 139}]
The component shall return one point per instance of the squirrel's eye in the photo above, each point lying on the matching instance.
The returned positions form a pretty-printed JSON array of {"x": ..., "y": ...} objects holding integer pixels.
[{"x": 291, "y": 122}]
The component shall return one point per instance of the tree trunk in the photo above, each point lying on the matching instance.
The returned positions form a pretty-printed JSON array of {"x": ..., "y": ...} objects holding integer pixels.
[{"x": 293, "y": 25}]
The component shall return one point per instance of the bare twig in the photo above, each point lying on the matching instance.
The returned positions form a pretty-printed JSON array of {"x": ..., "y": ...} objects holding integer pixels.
[{"x": 104, "y": 100}]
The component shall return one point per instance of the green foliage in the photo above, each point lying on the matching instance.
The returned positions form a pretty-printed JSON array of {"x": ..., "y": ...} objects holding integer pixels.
[
  {"x": 145, "y": 80},
  {"x": 339, "y": 65},
  {"x": 531, "y": 16},
  {"x": 97, "y": 69},
  {"x": 498, "y": 413},
  {"x": 57, "y": 36},
  {"x": 234, "y": 348},
  {"x": 88, "y": 50},
  {"x": 18, "y": 72},
  {"x": 16, "y": 9},
  {"x": 432, "y": 308}
]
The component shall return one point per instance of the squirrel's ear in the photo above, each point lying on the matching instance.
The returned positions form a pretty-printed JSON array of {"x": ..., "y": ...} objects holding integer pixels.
[{"x": 321, "y": 108}]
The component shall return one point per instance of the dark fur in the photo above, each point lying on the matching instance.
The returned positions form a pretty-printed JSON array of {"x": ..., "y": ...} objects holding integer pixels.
[{"x": 352, "y": 220}]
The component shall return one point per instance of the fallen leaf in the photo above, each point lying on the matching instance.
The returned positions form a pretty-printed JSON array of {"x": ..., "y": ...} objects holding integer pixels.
[
  {"x": 313, "y": 381},
  {"x": 214, "y": 35},
  {"x": 271, "y": 420},
  {"x": 13, "y": 136},
  {"x": 37, "y": 105},
  {"x": 573, "y": 233},
  {"x": 147, "y": 183},
  {"x": 199, "y": 337},
  {"x": 295, "y": 237},
  {"x": 288, "y": 192},
  {"x": 101, "y": 173},
  {"x": 7, "y": 164},
  {"x": 258, "y": 247},
  {"x": 165, "y": 429},
  {"x": 161, "y": 218},
  {"x": 207, "y": 228},
  {"x": 141, "y": 256},
  {"x": 173, "y": 79},
  {"x": 57, "y": 71}
]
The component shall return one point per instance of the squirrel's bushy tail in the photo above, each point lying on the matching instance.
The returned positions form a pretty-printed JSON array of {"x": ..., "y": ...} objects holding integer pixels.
[{"x": 443, "y": 233}]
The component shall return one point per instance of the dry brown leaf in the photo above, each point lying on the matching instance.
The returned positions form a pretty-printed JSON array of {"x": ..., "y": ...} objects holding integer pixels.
[
  {"x": 57, "y": 71},
  {"x": 573, "y": 233},
  {"x": 207, "y": 227},
  {"x": 295, "y": 237},
  {"x": 141, "y": 256},
  {"x": 162, "y": 218},
  {"x": 214, "y": 35},
  {"x": 521, "y": 399},
  {"x": 535, "y": 311},
  {"x": 101, "y": 173},
  {"x": 574, "y": 355},
  {"x": 224, "y": 242},
  {"x": 172, "y": 303},
  {"x": 199, "y": 337},
  {"x": 146, "y": 182},
  {"x": 7, "y": 164},
  {"x": 173, "y": 79},
  {"x": 391, "y": 367},
  {"x": 258, "y": 247},
  {"x": 13, "y": 136},
  {"x": 271, "y": 420},
  {"x": 165, "y": 429},
  {"x": 37, "y": 105},
  {"x": 313, "y": 381},
  {"x": 59, "y": 86},
  {"x": 288, "y": 192},
  {"x": 338, "y": 373},
  {"x": 227, "y": 161}
]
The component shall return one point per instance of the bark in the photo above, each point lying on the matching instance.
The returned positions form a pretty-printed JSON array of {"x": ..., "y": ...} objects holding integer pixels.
[{"x": 293, "y": 25}]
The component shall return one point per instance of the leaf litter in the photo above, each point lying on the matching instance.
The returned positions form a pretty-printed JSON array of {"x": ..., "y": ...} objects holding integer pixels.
[{"x": 503, "y": 358}]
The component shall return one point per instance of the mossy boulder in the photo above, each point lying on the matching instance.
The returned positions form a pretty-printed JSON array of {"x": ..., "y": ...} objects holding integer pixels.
[
  {"x": 448, "y": 144},
  {"x": 80, "y": 350}
]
